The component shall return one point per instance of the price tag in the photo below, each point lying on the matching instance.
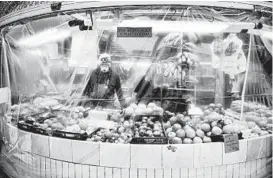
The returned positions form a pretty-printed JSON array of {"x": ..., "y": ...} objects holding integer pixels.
[
  {"x": 134, "y": 32},
  {"x": 231, "y": 143}
]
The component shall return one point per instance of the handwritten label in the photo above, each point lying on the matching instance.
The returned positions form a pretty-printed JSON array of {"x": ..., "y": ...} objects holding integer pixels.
[
  {"x": 231, "y": 143},
  {"x": 134, "y": 32}
]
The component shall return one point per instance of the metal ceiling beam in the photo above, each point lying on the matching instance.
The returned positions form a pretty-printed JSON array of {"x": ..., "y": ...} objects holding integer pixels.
[{"x": 45, "y": 10}]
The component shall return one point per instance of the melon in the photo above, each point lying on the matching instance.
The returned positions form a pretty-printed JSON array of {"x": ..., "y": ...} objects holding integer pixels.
[
  {"x": 187, "y": 141},
  {"x": 171, "y": 135},
  {"x": 216, "y": 131},
  {"x": 173, "y": 120},
  {"x": 190, "y": 133},
  {"x": 228, "y": 129},
  {"x": 200, "y": 133},
  {"x": 151, "y": 105},
  {"x": 206, "y": 139},
  {"x": 167, "y": 125},
  {"x": 176, "y": 140},
  {"x": 262, "y": 123},
  {"x": 205, "y": 127},
  {"x": 251, "y": 124},
  {"x": 256, "y": 130},
  {"x": 129, "y": 111},
  {"x": 197, "y": 140},
  {"x": 180, "y": 133},
  {"x": 83, "y": 124},
  {"x": 176, "y": 127}
]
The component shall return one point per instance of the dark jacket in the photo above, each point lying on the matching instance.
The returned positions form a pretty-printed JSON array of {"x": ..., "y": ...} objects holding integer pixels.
[{"x": 110, "y": 78}]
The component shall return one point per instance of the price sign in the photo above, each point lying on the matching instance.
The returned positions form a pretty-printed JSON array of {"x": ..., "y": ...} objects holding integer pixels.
[
  {"x": 231, "y": 143},
  {"x": 134, "y": 32}
]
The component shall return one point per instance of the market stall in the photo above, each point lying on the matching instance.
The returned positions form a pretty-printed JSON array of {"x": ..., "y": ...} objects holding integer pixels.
[{"x": 137, "y": 91}]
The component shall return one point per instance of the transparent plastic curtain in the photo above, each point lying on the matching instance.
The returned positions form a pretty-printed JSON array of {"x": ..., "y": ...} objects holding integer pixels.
[{"x": 41, "y": 67}]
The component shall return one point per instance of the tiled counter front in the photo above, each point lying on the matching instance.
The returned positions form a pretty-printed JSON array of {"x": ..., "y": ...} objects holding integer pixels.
[{"x": 42, "y": 156}]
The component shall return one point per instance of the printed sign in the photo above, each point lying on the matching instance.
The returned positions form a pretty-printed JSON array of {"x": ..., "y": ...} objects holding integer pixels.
[
  {"x": 231, "y": 143},
  {"x": 134, "y": 32}
]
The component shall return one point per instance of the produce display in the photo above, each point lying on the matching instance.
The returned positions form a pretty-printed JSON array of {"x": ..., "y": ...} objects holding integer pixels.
[{"x": 145, "y": 121}]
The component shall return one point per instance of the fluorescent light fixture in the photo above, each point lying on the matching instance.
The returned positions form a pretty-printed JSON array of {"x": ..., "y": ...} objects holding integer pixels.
[
  {"x": 45, "y": 37},
  {"x": 178, "y": 26}
]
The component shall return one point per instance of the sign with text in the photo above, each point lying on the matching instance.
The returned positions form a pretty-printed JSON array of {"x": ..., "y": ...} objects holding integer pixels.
[
  {"x": 231, "y": 143},
  {"x": 134, "y": 32}
]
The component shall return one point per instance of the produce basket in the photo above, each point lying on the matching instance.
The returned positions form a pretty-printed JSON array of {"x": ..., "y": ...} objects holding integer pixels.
[
  {"x": 150, "y": 139},
  {"x": 220, "y": 138},
  {"x": 25, "y": 126},
  {"x": 69, "y": 135}
]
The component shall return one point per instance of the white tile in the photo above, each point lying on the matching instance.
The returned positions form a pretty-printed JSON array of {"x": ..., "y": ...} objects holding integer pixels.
[
  {"x": 159, "y": 173},
  {"x": 223, "y": 171},
  {"x": 86, "y": 152},
  {"x": 182, "y": 157},
  {"x": 72, "y": 170},
  {"x": 184, "y": 172},
  {"x": 199, "y": 172},
  {"x": 133, "y": 173},
  {"x": 209, "y": 154},
  {"x": 85, "y": 171},
  {"x": 24, "y": 141},
  {"x": 101, "y": 172},
  {"x": 125, "y": 172},
  {"x": 242, "y": 170},
  {"x": 237, "y": 156},
  {"x": 78, "y": 171},
  {"x": 115, "y": 155},
  {"x": 229, "y": 170},
  {"x": 40, "y": 145},
  {"x": 269, "y": 146},
  {"x": 108, "y": 172},
  {"x": 176, "y": 173},
  {"x": 253, "y": 166},
  {"x": 236, "y": 170},
  {"x": 116, "y": 173},
  {"x": 61, "y": 149},
  {"x": 13, "y": 134},
  {"x": 141, "y": 173},
  {"x": 150, "y": 173},
  {"x": 93, "y": 171},
  {"x": 146, "y": 156},
  {"x": 167, "y": 172},
  {"x": 65, "y": 170},
  {"x": 215, "y": 172},
  {"x": 207, "y": 172},
  {"x": 256, "y": 148},
  {"x": 248, "y": 169},
  {"x": 192, "y": 172}
]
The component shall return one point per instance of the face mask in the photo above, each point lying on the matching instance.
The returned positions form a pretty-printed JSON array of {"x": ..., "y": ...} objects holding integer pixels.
[{"x": 104, "y": 69}]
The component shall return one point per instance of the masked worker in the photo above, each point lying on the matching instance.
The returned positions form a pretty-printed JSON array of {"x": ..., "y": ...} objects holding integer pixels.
[{"x": 103, "y": 84}]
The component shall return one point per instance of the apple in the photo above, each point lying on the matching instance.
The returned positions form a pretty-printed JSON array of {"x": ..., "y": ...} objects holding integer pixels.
[
  {"x": 180, "y": 133},
  {"x": 176, "y": 140},
  {"x": 187, "y": 141},
  {"x": 206, "y": 139},
  {"x": 176, "y": 127},
  {"x": 173, "y": 120},
  {"x": 200, "y": 133},
  {"x": 171, "y": 135},
  {"x": 190, "y": 133},
  {"x": 197, "y": 140},
  {"x": 205, "y": 127},
  {"x": 216, "y": 130}
]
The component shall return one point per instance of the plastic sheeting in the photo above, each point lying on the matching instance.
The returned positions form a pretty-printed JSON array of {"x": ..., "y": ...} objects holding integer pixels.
[{"x": 50, "y": 59}]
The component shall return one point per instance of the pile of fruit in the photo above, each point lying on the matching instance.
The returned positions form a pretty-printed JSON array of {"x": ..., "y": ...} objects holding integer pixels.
[
  {"x": 121, "y": 133},
  {"x": 143, "y": 109},
  {"x": 201, "y": 129},
  {"x": 148, "y": 127}
]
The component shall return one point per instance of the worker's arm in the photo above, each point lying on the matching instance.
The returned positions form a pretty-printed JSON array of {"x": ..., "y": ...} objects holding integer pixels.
[
  {"x": 90, "y": 85},
  {"x": 119, "y": 92}
]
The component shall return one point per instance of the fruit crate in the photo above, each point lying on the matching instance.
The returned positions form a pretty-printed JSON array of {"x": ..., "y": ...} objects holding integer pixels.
[
  {"x": 25, "y": 126},
  {"x": 69, "y": 135},
  {"x": 149, "y": 139},
  {"x": 220, "y": 138},
  {"x": 41, "y": 131}
]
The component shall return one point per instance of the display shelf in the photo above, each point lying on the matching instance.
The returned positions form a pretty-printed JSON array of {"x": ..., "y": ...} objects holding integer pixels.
[{"x": 195, "y": 160}]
